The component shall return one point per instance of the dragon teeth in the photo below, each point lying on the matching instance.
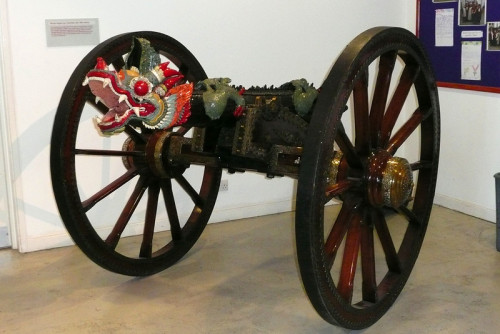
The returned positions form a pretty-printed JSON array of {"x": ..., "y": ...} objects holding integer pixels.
[
  {"x": 136, "y": 111},
  {"x": 122, "y": 98},
  {"x": 106, "y": 82},
  {"x": 97, "y": 99},
  {"x": 85, "y": 81}
]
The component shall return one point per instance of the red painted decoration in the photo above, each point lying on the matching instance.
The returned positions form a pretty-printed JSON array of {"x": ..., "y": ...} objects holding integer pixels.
[
  {"x": 101, "y": 64},
  {"x": 141, "y": 88}
]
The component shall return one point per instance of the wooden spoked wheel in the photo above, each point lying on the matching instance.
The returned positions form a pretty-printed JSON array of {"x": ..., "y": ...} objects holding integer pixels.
[
  {"x": 365, "y": 190},
  {"x": 124, "y": 204}
]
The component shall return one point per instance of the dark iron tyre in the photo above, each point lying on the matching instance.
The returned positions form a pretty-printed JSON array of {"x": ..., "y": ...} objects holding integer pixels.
[
  {"x": 124, "y": 204},
  {"x": 379, "y": 172}
]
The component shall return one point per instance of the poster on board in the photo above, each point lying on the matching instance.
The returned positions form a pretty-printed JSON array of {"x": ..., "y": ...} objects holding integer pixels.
[{"x": 462, "y": 39}]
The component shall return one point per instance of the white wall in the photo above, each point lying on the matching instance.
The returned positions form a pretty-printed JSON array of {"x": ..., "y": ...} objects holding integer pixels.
[
  {"x": 470, "y": 154},
  {"x": 252, "y": 42}
]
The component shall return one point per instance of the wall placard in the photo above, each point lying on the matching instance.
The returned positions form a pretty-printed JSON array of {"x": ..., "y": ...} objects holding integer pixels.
[
  {"x": 462, "y": 39},
  {"x": 72, "y": 32}
]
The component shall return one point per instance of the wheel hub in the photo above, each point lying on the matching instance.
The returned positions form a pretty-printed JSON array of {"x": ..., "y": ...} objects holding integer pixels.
[
  {"x": 157, "y": 156},
  {"x": 389, "y": 180}
]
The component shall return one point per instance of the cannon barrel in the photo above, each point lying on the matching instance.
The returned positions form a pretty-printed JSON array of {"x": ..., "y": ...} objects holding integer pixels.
[
  {"x": 200, "y": 118},
  {"x": 262, "y": 129},
  {"x": 209, "y": 108}
]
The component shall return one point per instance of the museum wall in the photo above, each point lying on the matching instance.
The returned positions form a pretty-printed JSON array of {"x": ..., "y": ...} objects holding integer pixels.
[
  {"x": 257, "y": 42},
  {"x": 470, "y": 154}
]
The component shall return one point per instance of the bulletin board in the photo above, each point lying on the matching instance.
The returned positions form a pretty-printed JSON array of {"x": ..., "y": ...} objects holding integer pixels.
[{"x": 462, "y": 39}]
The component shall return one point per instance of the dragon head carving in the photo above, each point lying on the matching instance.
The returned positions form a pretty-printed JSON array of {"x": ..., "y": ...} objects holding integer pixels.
[{"x": 146, "y": 90}]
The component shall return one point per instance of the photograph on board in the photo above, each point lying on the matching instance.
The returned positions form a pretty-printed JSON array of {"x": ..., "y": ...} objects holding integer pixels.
[
  {"x": 493, "y": 31},
  {"x": 471, "y": 12}
]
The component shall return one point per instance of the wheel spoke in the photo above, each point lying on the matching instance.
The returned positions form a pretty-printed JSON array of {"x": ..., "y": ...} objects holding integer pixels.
[
  {"x": 391, "y": 256},
  {"x": 87, "y": 151},
  {"x": 347, "y": 147},
  {"x": 193, "y": 194},
  {"x": 369, "y": 286},
  {"x": 419, "y": 165},
  {"x": 361, "y": 121},
  {"x": 185, "y": 71},
  {"x": 345, "y": 285},
  {"x": 149, "y": 223},
  {"x": 379, "y": 102},
  {"x": 338, "y": 188},
  {"x": 181, "y": 131},
  {"x": 168, "y": 196},
  {"x": 406, "y": 81},
  {"x": 118, "y": 63},
  {"x": 109, "y": 189},
  {"x": 410, "y": 216},
  {"x": 338, "y": 231},
  {"x": 405, "y": 131},
  {"x": 128, "y": 210}
]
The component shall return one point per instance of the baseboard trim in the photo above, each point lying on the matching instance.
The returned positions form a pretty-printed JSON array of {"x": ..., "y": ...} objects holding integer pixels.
[
  {"x": 63, "y": 239},
  {"x": 253, "y": 210},
  {"x": 468, "y": 208},
  {"x": 261, "y": 209}
]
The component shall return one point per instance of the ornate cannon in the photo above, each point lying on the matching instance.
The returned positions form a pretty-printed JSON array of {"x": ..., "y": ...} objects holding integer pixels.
[{"x": 363, "y": 147}]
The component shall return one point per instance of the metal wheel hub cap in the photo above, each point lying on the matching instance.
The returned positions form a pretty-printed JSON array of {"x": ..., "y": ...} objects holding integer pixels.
[
  {"x": 390, "y": 180},
  {"x": 156, "y": 156}
]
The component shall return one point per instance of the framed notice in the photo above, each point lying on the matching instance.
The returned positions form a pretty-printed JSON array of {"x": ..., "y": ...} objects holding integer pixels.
[{"x": 462, "y": 39}]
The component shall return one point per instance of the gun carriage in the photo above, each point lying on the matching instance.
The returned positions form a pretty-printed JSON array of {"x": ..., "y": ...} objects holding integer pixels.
[{"x": 363, "y": 147}]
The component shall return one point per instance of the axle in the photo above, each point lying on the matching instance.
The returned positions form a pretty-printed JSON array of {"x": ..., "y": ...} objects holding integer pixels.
[{"x": 259, "y": 130}]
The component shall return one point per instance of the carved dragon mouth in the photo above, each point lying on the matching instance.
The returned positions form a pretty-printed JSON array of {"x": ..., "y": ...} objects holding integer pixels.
[{"x": 122, "y": 107}]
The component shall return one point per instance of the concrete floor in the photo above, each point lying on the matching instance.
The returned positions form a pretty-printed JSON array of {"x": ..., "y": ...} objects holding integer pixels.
[{"x": 242, "y": 277}]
